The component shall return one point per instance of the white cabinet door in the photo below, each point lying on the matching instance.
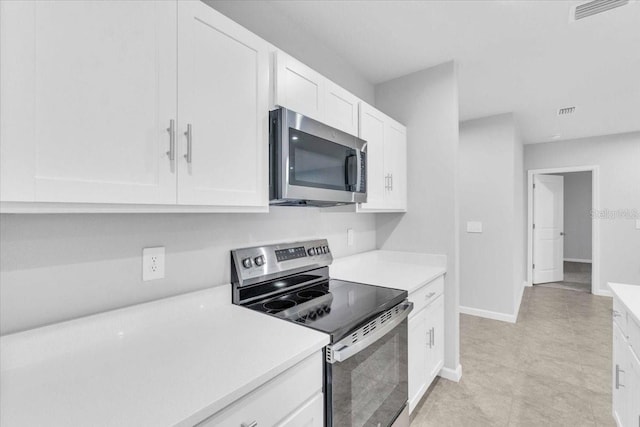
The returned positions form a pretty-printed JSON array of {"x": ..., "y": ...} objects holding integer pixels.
[
  {"x": 634, "y": 391},
  {"x": 223, "y": 80},
  {"x": 88, "y": 91},
  {"x": 372, "y": 130},
  {"x": 311, "y": 414},
  {"x": 396, "y": 161},
  {"x": 341, "y": 109},
  {"x": 418, "y": 343},
  {"x": 619, "y": 377},
  {"x": 299, "y": 88},
  {"x": 436, "y": 323},
  {"x": 386, "y": 161}
]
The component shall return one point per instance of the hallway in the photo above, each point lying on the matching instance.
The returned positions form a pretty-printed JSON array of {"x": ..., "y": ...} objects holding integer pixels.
[{"x": 551, "y": 368}]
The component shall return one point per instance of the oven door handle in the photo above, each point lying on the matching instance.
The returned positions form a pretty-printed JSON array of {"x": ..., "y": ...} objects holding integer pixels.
[{"x": 346, "y": 352}]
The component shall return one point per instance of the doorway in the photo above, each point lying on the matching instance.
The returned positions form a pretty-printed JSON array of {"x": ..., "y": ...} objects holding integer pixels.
[{"x": 562, "y": 234}]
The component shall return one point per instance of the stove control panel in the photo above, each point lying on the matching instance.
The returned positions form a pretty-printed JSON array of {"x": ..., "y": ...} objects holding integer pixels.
[{"x": 262, "y": 263}]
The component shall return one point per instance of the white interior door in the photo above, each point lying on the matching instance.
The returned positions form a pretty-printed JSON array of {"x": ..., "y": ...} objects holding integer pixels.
[
  {"x": 548, "y": 228},
  {"x": 223, "y": 82}
]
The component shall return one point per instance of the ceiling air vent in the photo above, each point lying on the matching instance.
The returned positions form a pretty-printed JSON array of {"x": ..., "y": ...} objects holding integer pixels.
[
  {"x": 566, "y": 111},
  {"x": 595, "y": 7}
]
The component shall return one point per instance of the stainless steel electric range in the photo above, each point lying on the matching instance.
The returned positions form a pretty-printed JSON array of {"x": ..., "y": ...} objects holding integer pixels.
[{"x": 365, "y": 381}]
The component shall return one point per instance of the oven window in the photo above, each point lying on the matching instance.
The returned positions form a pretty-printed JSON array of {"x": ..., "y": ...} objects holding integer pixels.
[
  {"x": 317, "y": 162},
  {"x": 370, "y": 388}
]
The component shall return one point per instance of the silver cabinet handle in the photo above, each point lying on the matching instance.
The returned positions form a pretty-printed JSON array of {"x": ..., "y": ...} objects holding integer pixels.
[
  {"x": 391, "y": 179},
  {"x": 386, "y": 182},
  {"x": 189, "y": 135},
  {"x": 616, "y": 313},
  {"x": 251, "y": 424},
  {"x": 429, "y": 295},
  {"x": 433, "y": 337},
  {"x": 618, "y": 370},
  {"x": 172, "y": 140},
  {"x": 430, "y": 338}
]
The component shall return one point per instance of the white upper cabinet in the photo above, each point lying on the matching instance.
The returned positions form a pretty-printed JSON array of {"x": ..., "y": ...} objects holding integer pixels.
[
  {"x": 305, "y": 91},
  {"x": 341, "y": 109},
  {"x": 298, "y": 87},
  {"x": 386, "y": 161},
  {"x": 88, "y": 91},
  {"x": 223, "y": 81},
  {"x": 97, "y": 96}
]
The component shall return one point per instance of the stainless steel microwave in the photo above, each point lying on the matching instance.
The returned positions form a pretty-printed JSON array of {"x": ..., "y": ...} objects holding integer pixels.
[{"x": 312, "y": 164}]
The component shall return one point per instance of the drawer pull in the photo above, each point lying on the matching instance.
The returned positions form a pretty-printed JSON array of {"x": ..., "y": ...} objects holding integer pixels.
[
  {"x": 429, "y": 295},
  {"x": 616, "y": 313},
  {"x": 251, "y": 424},
  {"x": 618, "y": 370}
]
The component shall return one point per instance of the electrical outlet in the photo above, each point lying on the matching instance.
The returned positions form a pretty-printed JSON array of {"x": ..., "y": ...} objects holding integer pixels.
[
  {"x": 153, "y": 263},
  {"x": 474, "y": 227},
  {"x": 350, "y": 237}
]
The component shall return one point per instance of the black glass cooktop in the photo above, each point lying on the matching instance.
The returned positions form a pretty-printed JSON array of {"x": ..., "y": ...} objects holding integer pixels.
[{"x": 334, "y": 306}]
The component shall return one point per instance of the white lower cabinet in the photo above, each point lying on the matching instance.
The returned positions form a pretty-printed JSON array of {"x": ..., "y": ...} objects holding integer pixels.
[
  {"x": 425, "y": 339},
  {"x": 293, "y": 398},
  {"x": 626, "y": 368}
]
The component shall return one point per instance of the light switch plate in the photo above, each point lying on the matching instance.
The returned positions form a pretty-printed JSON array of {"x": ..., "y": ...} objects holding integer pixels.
[
  {"x": 153, "y": 263},
  {"x": 474, "y": 227}
]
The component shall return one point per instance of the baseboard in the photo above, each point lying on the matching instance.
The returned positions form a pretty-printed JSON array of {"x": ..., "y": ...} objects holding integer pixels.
[
  {"x": 585, "y": 261},
  {"x": 603, "y": 293},
  {"x": 494, "y": 315},
  {"x": 451, "y": 374}
]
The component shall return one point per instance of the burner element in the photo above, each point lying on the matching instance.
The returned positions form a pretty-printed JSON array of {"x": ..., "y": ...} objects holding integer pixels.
[
  {"x": 310, "y": 293},
  {"x": 279, "y": 304}
]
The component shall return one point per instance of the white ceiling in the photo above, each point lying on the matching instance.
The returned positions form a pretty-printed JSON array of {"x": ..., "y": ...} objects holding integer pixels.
[{"x": 513, "y": 56}]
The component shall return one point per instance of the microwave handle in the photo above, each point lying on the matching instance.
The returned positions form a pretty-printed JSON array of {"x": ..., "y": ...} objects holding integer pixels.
[
  {"x": 351, "y": 171},
  {"x": 346, "y": 352}
]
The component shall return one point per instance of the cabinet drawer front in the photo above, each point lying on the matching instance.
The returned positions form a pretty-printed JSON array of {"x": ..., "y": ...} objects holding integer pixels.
[
  {"x": 275, "y": 400},
  {"x": 426, "y": 294},
  {"x": 620, "y": 316}
]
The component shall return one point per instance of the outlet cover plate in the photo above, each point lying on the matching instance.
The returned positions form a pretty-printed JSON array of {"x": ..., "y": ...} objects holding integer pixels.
[
  {"x": 153, "y": 263},
  {"x": 350, "y": 237}
]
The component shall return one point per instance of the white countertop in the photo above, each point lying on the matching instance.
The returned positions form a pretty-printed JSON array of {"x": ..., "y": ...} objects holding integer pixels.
[
  {"x": 392, "y": 269},
  {"x": 173, "y": 361},
  {"x": 630, "y": 297}
]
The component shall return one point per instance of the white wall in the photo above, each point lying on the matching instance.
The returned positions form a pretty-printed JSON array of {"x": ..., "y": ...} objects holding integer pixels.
[
  {"x": 492, "y": 268},
  {"x": 619, "y": 159},
  {"x": 427, "y": 103},
  {"x": 57, "y": 267},
  {"x": 577, "y": 215},
  {"x": 284, "y": 33}
]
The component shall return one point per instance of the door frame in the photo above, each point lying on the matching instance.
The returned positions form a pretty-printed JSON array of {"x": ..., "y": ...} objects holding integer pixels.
[{"x": 595, "y": 225}]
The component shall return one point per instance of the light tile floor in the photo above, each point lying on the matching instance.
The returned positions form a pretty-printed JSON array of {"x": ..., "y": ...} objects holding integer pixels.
[{"x": 551, "y": 368}]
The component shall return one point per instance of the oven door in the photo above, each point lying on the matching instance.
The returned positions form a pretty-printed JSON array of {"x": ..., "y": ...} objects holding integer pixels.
[
  {"x": 318, "y": 162},
  {"x": 366, "y": 381}
]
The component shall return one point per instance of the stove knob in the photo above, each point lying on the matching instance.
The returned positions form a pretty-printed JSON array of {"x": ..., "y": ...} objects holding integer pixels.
[
  {"x": 319, "y": 250},
  {"x": 326, "y": 308},
  {"x": 320, "y": 311},
  {"x": 246, "y": 263},
  {"x": 328, "y": 251},
  {"x": 312, "y": 315},
  {"x": 325, "y": 249},
  {"x": 311, "y": 251},
  {"x": 259, "y": 260}
]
